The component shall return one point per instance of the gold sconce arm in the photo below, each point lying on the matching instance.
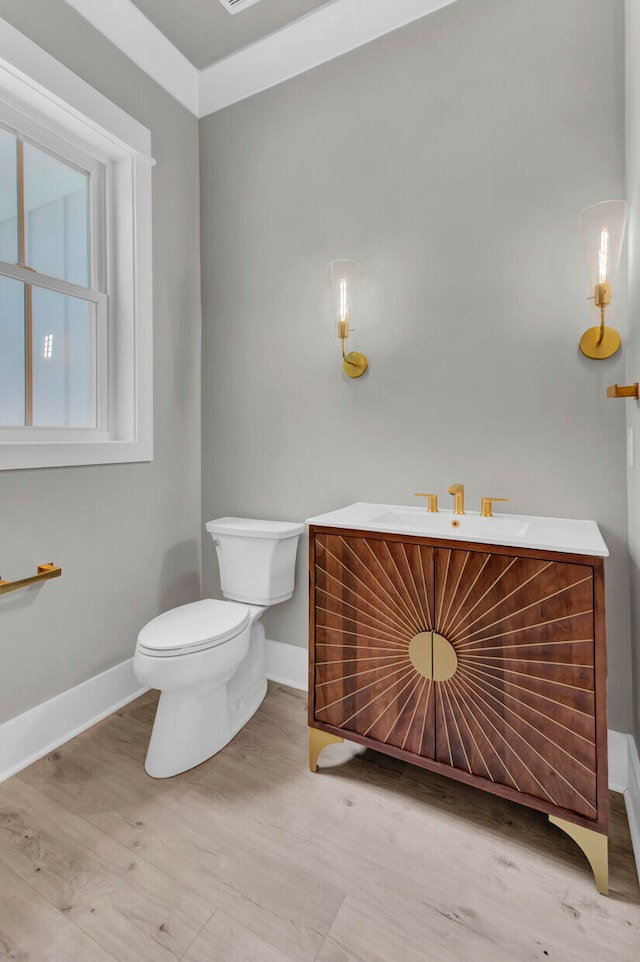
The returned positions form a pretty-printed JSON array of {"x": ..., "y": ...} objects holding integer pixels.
[
  {"x": 602, "y": 299},
  {"x": 45, "y": 572},
  {"x": 600, "y": 342},
  {"x": 354, "y": 364}
]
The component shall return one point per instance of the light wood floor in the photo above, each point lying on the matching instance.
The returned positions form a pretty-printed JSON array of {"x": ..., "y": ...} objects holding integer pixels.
[{"x": 251, "y": 858}]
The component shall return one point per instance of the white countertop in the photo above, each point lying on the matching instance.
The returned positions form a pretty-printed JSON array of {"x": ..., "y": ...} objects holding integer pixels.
[{"x": 518, "y": 530}]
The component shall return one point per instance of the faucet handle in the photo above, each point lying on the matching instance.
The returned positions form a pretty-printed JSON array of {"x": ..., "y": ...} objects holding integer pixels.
[
  {"x": 486, "y": 511},
  {"x": 433, "y": 500}
]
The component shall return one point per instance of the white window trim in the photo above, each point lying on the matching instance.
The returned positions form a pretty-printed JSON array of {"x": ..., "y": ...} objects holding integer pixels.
[{"x": 38, "y": 87}]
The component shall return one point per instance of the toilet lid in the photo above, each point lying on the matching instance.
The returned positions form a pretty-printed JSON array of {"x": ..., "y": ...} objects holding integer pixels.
[{"x": 194, "y": 627}]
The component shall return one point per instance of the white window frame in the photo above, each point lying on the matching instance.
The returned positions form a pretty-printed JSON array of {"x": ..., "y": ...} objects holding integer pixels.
[
  {"x": 96, "y": 290},
  {"x": 39, "y": 96}
]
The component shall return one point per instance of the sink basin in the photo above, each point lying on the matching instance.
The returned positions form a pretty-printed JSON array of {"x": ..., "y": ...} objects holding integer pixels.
[
  {"x": 527, "y": 531},
  {"x": 461, "y": 526}
]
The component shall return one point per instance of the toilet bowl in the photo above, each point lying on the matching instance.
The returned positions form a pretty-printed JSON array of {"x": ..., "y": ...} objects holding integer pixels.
[{"x": 207, "y": 658}]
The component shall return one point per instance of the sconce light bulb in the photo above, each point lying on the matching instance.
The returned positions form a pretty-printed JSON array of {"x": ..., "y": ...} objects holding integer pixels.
[
  {"x": 603, "y": 256},
  {"x": 344, "y": 300}
]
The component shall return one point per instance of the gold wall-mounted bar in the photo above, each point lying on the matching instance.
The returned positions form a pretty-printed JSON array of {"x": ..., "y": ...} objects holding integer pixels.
[
  {"x": 623, "y": 390},
  {"x": 45, "y": 572}
]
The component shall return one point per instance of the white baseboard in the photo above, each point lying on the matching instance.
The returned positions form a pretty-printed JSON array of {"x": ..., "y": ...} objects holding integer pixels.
[
  {"x": 632, "y": 797},
  {"x": 618, "y": 761},
  {"x": 287, "y": 664},
  {"x": 27, "y": 737}
]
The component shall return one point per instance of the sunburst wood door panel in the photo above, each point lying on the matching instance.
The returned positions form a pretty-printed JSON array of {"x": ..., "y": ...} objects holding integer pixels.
[
  {"x": 372, "y": 597},
  {"x": 482, "y": 661},
  {"x": 520, "y": 708}
]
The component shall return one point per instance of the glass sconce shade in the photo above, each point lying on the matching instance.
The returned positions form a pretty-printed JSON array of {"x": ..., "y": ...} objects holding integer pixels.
[{"x": 602, "y": 227}]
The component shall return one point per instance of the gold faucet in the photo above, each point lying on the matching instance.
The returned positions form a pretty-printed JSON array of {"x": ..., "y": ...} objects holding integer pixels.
[
  {"x": 486, "y": 510},
  {"x": 432, "y": 498},
  {"x": 457, "y": 490}
]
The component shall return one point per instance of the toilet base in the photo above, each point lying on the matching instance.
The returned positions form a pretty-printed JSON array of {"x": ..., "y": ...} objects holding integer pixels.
[
  {"x": 194, "y": 723},
  {"x": 190, "y": 727}
]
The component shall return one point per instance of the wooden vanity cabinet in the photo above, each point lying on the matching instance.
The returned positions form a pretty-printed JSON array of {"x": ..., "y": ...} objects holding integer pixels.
[{"x": 481, "y": 662}]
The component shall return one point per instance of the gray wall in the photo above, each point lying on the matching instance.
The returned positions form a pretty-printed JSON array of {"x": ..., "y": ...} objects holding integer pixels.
[
  {"x": 127, "y": 536},
  {"x": 451, "y": 159},
  {"x": 633, "y": 340}
]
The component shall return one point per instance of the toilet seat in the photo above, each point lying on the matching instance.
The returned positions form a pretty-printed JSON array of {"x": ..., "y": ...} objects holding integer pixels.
[{"x": 193, "y": 627}]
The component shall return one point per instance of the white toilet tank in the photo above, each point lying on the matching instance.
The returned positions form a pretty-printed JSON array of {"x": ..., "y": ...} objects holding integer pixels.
[{"x": 257, "y": 558}]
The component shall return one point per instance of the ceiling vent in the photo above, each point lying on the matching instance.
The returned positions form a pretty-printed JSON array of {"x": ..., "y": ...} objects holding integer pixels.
[{"x": 235, "y": 6}]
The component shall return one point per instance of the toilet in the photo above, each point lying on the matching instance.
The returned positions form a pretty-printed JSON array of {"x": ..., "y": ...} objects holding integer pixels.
[{"x": 207, "y": 658}]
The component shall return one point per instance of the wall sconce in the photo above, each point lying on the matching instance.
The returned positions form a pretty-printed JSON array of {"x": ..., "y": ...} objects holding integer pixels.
[
  {"x": 343, "y": 277},
  {"x": 602, "y": 227}
]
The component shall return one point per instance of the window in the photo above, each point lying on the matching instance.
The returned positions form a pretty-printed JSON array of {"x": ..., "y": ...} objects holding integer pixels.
[
  {"x": 53, "y": 303},
  {"x": 75, "y": 270}
]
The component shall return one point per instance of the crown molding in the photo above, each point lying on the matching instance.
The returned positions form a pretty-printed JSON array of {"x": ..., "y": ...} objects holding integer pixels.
[
  {"x": 121, "y": 22},
  {"x": 326, "y": 33},
  {"x": 322, "y": 35}
]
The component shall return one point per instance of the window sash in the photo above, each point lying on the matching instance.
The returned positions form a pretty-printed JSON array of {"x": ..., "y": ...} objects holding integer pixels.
[
  {"x": 29, "y": 132},
  {"x": 26, "y": 132},
  {"x": 28, "y": 432}
]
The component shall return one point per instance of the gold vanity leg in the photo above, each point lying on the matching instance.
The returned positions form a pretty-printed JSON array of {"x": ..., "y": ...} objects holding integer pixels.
[
  {"x": 595, "y": 847},
  {"x": 317, "y": 741}
]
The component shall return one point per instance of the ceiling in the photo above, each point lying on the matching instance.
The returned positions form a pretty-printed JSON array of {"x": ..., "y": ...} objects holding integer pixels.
[
  {"x": 204, "y": 31},
  {"x": 208, "y": 58}
]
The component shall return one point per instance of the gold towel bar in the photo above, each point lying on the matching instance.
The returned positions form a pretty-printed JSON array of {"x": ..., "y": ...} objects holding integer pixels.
[
  {"x": 44, "y": 573},
  {"x": 623, "y": 390}
]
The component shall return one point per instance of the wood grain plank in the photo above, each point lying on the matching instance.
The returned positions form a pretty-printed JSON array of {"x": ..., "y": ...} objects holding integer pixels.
[
  {"x": 366, "y": 933},
  {"x": 136, "y": 911},
  {"x": 32, "y": 929},
  {"x": 225, "y": 940}
]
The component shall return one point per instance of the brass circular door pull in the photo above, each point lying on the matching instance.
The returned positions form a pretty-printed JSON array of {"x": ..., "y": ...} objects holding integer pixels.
[{"x": 433, "y": 656}]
